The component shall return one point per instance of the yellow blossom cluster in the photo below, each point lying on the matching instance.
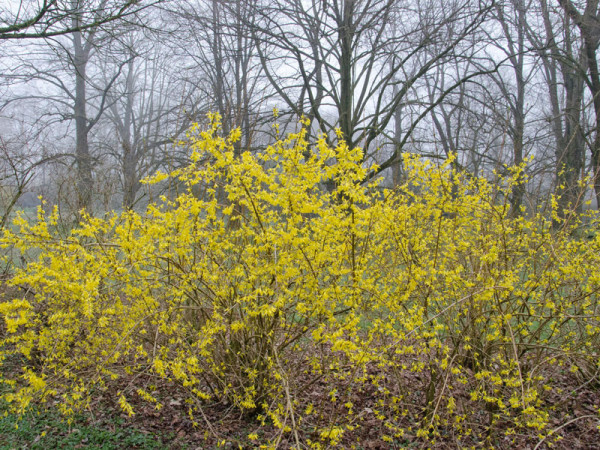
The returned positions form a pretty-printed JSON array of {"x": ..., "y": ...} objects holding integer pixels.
[{"x": 258, "y": 282}]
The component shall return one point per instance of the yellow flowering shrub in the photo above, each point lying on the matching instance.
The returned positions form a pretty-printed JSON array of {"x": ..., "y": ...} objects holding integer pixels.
[{"x": 258, "y": 286}]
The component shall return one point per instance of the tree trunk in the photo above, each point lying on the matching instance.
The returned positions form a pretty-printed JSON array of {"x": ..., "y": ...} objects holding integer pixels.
[
  {"x": 83, "y": 157},
  {"x": 589, "y": 26},
  {"x": 346, "y": 90}
]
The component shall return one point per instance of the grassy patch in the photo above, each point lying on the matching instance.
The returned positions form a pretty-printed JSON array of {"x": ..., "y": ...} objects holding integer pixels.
[{"x": 46, "y": 429}]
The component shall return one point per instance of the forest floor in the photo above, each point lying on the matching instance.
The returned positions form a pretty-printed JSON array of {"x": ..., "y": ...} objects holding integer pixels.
[{"x": 106, "y": 426}]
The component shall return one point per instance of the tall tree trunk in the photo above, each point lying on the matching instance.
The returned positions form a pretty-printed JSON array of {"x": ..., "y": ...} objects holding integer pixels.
[
  {"x": 131, "y": 184},
  {"x": 397, "y": 166},
  {"x": 519, "y": 109},
  {"x": 83, "y": 156},
  {"x": 217, "y": 50},
  {"x": 566, "y": 120},
  {"x": 590, "y": 48},
  {"x": 570, "y": 156},
  {"x": 569, "y": 153},
  {"x": 588, "y": 24},
  {"x": 346, "y": 38}
]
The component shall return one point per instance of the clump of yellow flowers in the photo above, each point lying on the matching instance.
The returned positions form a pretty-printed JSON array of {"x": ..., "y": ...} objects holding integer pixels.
[{"x": 257, "y": 285}]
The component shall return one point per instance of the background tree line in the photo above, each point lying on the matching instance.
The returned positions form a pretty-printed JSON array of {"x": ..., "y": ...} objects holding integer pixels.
[{"x": 96, "y": 92}]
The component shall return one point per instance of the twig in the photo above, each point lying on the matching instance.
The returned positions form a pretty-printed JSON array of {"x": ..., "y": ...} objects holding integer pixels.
[{"x": 562, "y": 426}]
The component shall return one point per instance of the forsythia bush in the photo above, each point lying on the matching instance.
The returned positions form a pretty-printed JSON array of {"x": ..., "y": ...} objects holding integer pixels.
[{"x": 258, "y": 287}]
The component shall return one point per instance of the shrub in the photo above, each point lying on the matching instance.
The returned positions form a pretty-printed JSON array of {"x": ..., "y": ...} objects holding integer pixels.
[{"x": 428, "y": 305}]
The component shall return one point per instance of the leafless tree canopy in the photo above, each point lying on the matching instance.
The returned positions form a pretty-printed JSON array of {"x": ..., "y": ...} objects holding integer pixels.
[
  {"x": 95, "y": 92},
  {"x": 30, "y": 19}
]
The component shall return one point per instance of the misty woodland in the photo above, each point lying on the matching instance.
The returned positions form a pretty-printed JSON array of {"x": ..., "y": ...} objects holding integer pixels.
[{"x": 303, "y": 223}]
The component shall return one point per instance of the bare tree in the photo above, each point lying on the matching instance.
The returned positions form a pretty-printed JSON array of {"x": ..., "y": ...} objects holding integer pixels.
[
  {"x": 60, "y": 70},
  {"x": 223, "y": 66},
  {"x": 512, "y": 18},
  {"x": 24, "y": 19},
  {"x": 562, "y": 61},
  {"x": 17, "y": 170},
  {"x": 587, "y": 20},
  {"x": 145, "y": 112},
  {"x": 353, "y": 64},
  {"x": 466, "y": 123}
]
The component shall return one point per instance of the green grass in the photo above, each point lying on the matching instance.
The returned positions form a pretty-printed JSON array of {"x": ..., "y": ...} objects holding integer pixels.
[{"x": 42, "y": 429}]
